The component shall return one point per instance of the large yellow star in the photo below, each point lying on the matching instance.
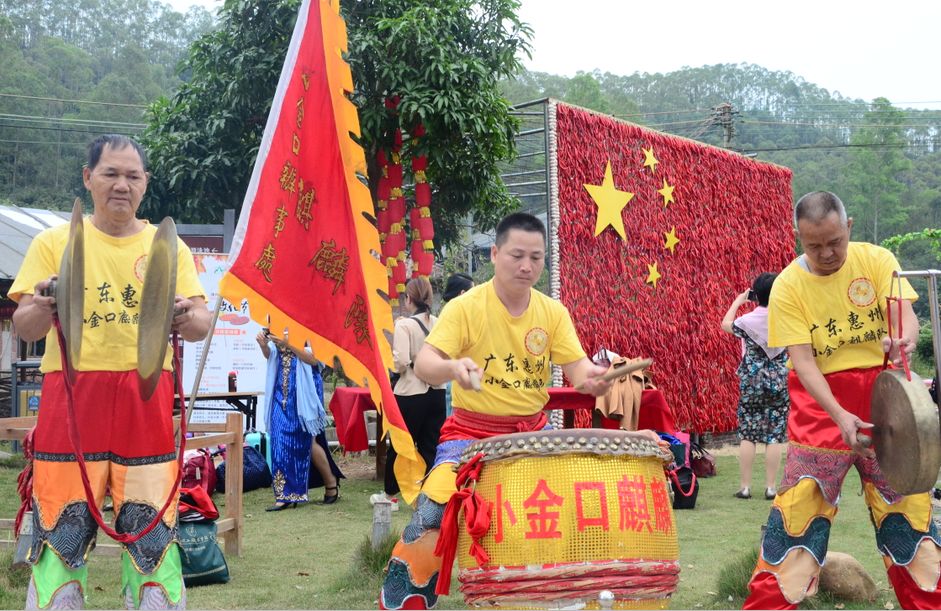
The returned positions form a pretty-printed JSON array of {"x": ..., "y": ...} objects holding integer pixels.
[
  {"x": 652, "y": 274},
  {"x": 610, "y": 203},
  {"x": 671, "y": 238},
  {"x": 667, "y": 193},
  {"x": 649, "y": 160}
]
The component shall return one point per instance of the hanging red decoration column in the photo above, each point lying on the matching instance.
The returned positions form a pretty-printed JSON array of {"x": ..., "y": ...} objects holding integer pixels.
[{"x": 423, "y": 232}]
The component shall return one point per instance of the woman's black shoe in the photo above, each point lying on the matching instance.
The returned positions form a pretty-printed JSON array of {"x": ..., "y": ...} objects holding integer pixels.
[
  {"x": 280, "y": 506},
  {"x": 330, "y": 499}
]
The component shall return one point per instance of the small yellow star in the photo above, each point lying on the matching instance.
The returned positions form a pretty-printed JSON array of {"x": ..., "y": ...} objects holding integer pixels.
[
  {"x": 649, "y": 160},
  {"x": 652, "y": 275},
  {"x": 610, "y": 202},
  {"x": 667, "y": 193},
  {"x": 671, "y": 238}
]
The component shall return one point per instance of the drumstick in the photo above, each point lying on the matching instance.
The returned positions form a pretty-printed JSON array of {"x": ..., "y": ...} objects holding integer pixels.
[
  {"x": 474, "y": 380},
  {"x": 620, "y": 371}
]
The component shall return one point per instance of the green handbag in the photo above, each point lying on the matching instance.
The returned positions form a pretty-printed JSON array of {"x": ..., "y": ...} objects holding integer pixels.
[{"x": 203, "y": 562}]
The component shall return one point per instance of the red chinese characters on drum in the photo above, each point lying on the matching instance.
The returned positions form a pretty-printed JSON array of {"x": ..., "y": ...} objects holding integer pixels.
[{"x": 543, "y": 507}]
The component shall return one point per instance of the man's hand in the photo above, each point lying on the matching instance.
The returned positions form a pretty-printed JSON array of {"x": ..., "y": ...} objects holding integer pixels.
[
  {"x": 592, "y": 384},
  {"x": 182, "y": 312},
  {"x": 896, "y": 347},
  {"x": 191, "y": 319},
  {"x": 45, "y": 303},
  {"x": 461, "y": 370},
  {"x": 849, "y": 426}
]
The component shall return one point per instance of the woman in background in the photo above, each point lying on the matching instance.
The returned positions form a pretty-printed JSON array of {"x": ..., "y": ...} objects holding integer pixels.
[
  {"x": 296, "y": 420},
  {"x": 421, "y": 405},
  {"x": 457, "y": 284},
  {"x": 763, "y": 398}
]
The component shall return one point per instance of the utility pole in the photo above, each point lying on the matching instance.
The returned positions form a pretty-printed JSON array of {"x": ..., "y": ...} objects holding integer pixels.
[{"x": 724, "y": 115}]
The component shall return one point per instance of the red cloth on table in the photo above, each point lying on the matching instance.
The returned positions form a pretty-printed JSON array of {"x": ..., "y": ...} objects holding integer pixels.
[
  {"x": 654, "y": 412},
  {"x": 348, "y": 406}
]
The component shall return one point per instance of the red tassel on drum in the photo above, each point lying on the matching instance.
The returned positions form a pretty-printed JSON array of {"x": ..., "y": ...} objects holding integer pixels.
[{"x": 476, "y": 522}]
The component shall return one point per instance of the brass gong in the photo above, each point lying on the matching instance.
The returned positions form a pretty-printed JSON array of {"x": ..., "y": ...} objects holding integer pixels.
[
  {"x": 907, "y": 434},
  {"x": 156, "y": 307},
  {"x": 70, "y": 289}
]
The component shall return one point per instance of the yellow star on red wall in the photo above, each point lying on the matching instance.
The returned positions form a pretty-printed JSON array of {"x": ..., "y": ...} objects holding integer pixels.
[
  {"x": 667, "y": 193},
  {"x": 671, "y": 239},
  {"x": 649, "y": 160},
  {"x": 610, "y": 202},
  {"x": 652, "y": 274}
]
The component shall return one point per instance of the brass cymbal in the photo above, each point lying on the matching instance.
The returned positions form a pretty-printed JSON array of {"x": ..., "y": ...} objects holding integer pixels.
[
  {"x": 907, "y": 434},
  {"x": 70, "y": 289},
  {"x": 156, "y": 307}
]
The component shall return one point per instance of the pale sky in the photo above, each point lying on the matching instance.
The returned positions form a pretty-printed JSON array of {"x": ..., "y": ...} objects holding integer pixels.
[{"x": 863, "y": 49}]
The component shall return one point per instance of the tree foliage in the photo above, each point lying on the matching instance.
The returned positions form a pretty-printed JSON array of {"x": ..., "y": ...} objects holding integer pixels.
[
  {"x": 73, "y": 70},
  {"x": 441, "y": 58},
  {"x": 202, "y": 142},
  {"x": 444, "y": 60}
]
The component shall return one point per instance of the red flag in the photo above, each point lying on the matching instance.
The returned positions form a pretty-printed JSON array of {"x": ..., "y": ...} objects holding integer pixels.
[
  {"x": 698, "y": 223},
  {"x": 304, "y": 251}
]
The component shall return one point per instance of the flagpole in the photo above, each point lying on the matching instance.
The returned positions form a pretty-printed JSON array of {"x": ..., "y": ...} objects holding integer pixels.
[{"x": 202, "y": 359}]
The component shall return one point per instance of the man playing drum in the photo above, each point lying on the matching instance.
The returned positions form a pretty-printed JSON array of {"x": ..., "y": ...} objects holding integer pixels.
[
  {"x": 504, "y": 333},
  {"x": 828, "y": 307},
  {"x": 128, "y": 443}
]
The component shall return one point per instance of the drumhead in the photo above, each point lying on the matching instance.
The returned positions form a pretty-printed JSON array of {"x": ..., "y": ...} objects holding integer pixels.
[{"x": 605, "y": 442}]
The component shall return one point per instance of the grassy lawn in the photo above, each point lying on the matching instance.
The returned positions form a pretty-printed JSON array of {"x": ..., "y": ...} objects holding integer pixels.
[{"x": 312, "y": 557}]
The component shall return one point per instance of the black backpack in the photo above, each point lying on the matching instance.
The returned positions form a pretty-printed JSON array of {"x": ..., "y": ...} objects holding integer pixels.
[{"x": 394, "y": 376}]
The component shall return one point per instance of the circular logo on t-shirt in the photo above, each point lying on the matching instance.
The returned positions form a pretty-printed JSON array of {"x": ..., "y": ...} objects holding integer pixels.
[
  {"x": 140, "y": 266},
  {"x": 536, "y": 341},
  {"x": 861, "y": 292}
]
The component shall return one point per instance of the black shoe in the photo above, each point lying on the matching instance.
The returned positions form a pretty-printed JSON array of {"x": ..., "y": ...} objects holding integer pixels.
[
  {"x": 281, "y": 506},
  {"x": 744, "y": 493},
  {"x": 770, "y": 493},
  {"x": 330, "y": 499}
]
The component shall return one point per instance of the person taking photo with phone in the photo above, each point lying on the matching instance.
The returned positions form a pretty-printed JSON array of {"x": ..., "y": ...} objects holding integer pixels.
[{"x": 763, "y": 398}]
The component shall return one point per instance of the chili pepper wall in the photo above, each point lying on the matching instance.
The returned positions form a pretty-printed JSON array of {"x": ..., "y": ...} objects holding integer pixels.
[{"x": 653, "y": 236}]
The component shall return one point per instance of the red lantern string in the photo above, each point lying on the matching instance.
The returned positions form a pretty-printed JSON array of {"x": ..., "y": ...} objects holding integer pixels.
[{"x": 423, "y": 232}]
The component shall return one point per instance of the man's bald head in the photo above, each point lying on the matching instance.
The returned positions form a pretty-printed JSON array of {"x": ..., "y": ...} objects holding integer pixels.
[{"x": 818, "y": 205}]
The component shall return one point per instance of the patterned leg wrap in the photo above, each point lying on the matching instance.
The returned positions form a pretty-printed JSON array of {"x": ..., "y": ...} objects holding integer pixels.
[
  {"x": 794, "y": 547},
  {"x": 68, "y": 596},
  {"x": 412, "y": 572},
  {"x": 153, "y": 598}
]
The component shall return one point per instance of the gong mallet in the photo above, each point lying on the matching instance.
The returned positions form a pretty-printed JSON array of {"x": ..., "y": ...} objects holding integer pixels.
[{"x": 620, "y": 371}]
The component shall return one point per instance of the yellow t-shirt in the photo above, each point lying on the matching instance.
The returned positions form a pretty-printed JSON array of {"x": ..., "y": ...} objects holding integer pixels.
[
  {"x": 843, "y": 315},
  {"x": 514, "y": 351},
  {"x": 114, "y": 275}
]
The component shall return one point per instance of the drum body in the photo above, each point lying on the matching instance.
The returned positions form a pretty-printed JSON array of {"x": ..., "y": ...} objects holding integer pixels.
[{"x": 577, "y": 517}]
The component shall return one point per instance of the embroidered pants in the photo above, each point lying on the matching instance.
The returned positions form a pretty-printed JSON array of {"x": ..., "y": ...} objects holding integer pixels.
[{"x": 795, "y": 542}]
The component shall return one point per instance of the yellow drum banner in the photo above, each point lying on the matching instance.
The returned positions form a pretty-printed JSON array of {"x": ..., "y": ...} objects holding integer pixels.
[{"x": 574, "y": 508}]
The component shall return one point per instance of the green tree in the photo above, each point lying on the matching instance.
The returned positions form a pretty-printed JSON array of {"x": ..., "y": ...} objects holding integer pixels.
[
  {"x": 441, "y": 58},
  {"x": 584, "y": 91},
  {"x": 877, "y": 167}
]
